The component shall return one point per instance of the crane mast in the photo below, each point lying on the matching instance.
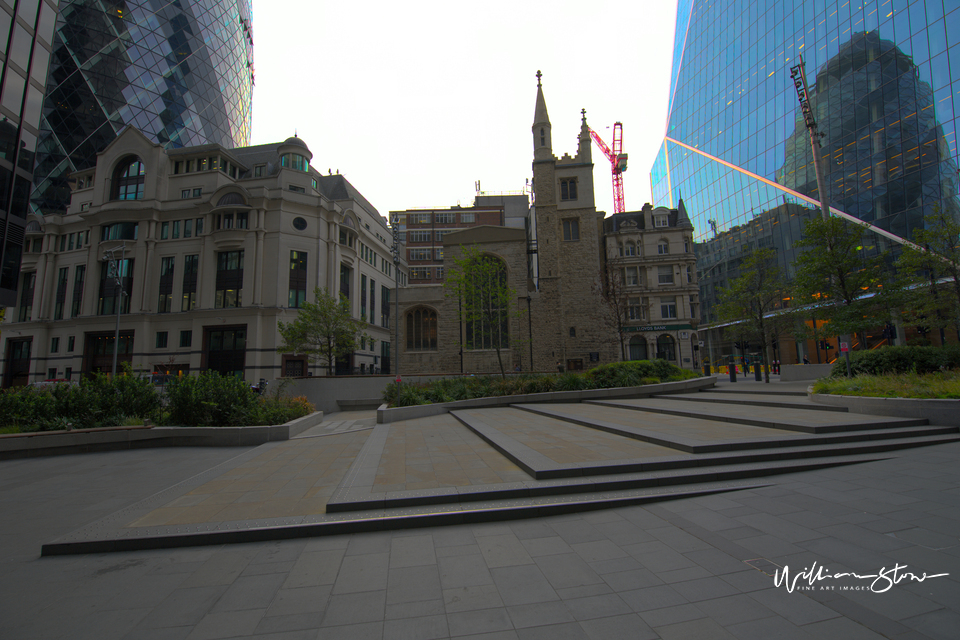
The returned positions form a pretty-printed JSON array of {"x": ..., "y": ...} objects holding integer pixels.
[{"x": 618, "y": 163}]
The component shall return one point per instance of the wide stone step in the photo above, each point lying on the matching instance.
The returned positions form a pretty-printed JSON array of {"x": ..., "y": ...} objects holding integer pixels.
[
  {"x": 803, "y": 420},
  {"x": 755, "y": 400},
  {"x": 675, "y": 437},
  {"x": 767, "y": 390}
]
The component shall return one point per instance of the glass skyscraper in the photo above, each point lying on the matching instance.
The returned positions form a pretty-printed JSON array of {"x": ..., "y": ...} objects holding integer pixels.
[
  {"x": 883, "y": 77},
  {"x": 180, "y": 72},
  {"x": 26, "y": 31}
]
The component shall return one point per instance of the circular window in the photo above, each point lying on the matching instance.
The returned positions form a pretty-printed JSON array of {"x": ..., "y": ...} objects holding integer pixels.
[{"x": 299, "y": 224}]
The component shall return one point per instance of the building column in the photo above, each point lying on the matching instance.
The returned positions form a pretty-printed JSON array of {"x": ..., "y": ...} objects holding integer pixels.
[
  {"x": 45, "y": 284},
  {"x": 38, "y": 289},
  {"x": 145, "y": 303}
]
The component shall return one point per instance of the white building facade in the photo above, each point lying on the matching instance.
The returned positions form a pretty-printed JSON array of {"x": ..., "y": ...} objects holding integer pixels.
[{"x": 213, "y": 247}]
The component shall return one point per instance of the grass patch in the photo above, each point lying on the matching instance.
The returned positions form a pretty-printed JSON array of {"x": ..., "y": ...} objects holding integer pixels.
[{"x": 940, "y": 385}]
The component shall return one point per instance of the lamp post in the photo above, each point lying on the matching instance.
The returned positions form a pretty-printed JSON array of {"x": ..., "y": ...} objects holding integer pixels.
[
  {"x": 395, "y": 250},
  {"x": 114, "y": 268}
]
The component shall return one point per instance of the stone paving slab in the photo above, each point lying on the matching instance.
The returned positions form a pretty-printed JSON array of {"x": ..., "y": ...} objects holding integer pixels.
[
  {"x": 775, "y": 418},
  {"x": 679, "y": 568},
  {"x": 754, "y": 399}
]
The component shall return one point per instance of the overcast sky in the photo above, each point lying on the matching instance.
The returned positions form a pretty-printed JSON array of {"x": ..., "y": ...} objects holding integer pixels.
[{"x": 416, "y": 101}]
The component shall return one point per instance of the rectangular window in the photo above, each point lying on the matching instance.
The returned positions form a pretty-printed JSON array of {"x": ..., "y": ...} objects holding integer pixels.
[
  {"x": 241, "y": 220},
  {"x": 634, "y": 309},
  {"x": 63, "y": 278},
  {"x": 418, "y": 218},
  {"x": 71, "y": 343},
  {"x": 164, "y": 230},
  {"x": 668, "y": 308},
  {"x": 467, "y": 218},
  {"x": 176, "y": 229},
  {"x": 439, "y": 273},
  {"x": 202, "y": 164},
  {"x": 70, "y": 241},
  {"x": 69, "y": 373},
  {"x": 418, "y": 254},
  {"x": 109, "y": 290},
  {"x": 445, "y": 218},
  {"x": 420, "y": 273},
  {"x": 660, "y": 221},
  {"x": 191, "y": 166},
  {"x": 229, "y": 280},
  {"x": 298, "y": 279},
  {"x": 166, "y": 284},
  {"x": 373, "y": 300},
  {"x": 689, "y": 275},
  {"x": 187, "y": 228},
  {"x": 63, "y": 242},
  {"x": 419, "y": 236},
  {"x": 161, "y": 339},
  {"x": 199, "y": 226},
  {"x": 296, "y": 189},
  {"x": 185, "y": 194},
  {"x": 186, "y": 338},
  {"x": 438, "y": 253},
  {"x": 190, "y": 266},
  {"x": 55, "y": 345},
  {"x": 177, "y": 167},
  {"x": 568, "y": 188},
  {"x": 663, "y": 248},
  {"x": 631, "y": 276},
  {"x": 52, "y": 374},
  {"x": 258, "y": 171},
  {"x": 384, "y": 307},
  {"x": 78, "y": 275},
  {"x": 665, "y": 275},
  {"x": 197, "y": 193},
  {"x": 363, "y": 297},
  {"x": 571, "y": 229}
]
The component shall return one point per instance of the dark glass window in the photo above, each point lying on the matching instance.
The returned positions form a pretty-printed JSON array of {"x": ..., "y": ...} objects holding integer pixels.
[
  {"x": 229, "y": 289},
  {"x": 298, "y": 279},
  {"x": 129, "y": 179},
  {"x": 422, "y": 330}
]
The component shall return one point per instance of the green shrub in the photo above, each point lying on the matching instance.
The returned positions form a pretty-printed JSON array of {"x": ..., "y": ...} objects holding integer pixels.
[
  {"x": 900, "y": 359},
  {"x": 633, "y": 372},
  {"x": 649, "y": 380},
  {"x": 213, "y": 400}
]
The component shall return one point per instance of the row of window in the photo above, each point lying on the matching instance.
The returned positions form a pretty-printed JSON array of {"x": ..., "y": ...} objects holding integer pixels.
[
  {"x": 633, "y": 276},
  {"x": 439, "y": 217},
  {"x": 68, "y": 242},
  {"x": 186, "y": 339},
  {"x": 414, "y": 255},
  {"x": 172, "y": 230},
  {"x": 631, "y": 249},
  {"x": 211, "y": 163},
  {"x": 426, "y": 273},
  {"x": 637, "y": 308}
]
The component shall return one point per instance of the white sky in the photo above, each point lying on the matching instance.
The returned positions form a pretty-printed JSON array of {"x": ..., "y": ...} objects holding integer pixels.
[{"x": 413, "y": 102}]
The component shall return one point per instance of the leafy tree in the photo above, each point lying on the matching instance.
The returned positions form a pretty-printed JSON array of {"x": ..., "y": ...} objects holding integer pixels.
[
  {"x": 614, "y": 301},
  {"x": 323, "y": 330},
  {"x": 923, "y": 300},
  {"x": 756, "y": 299},
  {"x": 487, "y": 302},
  {"x": 837, "y": 273}
]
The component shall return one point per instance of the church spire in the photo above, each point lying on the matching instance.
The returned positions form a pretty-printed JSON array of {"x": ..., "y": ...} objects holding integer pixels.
[{"x": 542, "y": 142}]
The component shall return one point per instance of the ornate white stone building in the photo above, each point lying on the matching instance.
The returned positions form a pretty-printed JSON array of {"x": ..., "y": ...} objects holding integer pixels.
[{"x": 214, "y": 246}]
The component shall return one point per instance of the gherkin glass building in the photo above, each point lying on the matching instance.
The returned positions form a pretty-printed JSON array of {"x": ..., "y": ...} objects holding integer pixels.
[
  {"x": 884, "y": 86},
  {"x": 180, "y": 71}
]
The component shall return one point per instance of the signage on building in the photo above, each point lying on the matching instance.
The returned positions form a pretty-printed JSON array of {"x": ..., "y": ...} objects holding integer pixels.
[{"x": 660, "y": 327}]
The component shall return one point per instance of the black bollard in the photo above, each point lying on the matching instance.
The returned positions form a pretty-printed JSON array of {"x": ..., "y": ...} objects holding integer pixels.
[
  {"x": 758, "y": 374},
  {"x": 706, "y": 370},
  {"x": 733, "y": 370}
]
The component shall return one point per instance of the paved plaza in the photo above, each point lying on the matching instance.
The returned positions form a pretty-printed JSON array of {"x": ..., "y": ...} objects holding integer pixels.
[{"x": 658, "y": 533}]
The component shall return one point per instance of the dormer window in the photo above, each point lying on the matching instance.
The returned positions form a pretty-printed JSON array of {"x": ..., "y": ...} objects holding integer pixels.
[
  {"x": 128, "y": 179},
  {"x": 660, "y": 221}
]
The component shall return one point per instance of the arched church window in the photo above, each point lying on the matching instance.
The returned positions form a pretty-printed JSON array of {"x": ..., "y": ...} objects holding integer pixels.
[{"x": 422, "y": 330}]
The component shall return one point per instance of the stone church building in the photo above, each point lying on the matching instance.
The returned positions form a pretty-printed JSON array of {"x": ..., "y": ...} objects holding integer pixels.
[{"x": 557, "y": 320}]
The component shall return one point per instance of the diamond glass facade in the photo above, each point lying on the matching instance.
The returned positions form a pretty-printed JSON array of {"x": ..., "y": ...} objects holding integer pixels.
[
  {"x": 883, "y": 77},
  {"x": 180, "y": 72}
]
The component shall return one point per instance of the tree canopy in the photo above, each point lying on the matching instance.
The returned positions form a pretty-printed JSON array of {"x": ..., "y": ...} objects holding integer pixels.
[{"x": 323, "y": 330}]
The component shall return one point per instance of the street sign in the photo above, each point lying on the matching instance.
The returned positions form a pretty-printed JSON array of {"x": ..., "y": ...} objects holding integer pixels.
[{"x": 844, "y": 347}]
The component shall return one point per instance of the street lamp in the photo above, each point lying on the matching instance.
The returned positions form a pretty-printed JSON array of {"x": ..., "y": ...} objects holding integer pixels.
[
  {"x": 395, "y": 250},
  {"x": 114, "y": 269}
]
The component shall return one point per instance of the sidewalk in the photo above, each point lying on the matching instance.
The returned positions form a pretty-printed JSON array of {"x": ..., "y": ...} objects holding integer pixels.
[{"x": 684, "y": 568}]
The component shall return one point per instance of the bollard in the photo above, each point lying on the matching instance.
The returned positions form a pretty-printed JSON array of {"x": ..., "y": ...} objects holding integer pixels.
[
  {"x": 758, "y": 374},
  {"x": 706, "y": 370},
  {"x": 733, "y": 371}
]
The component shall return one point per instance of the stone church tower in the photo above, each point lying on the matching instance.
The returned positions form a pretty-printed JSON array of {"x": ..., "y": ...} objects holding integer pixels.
[{"x": 569, "y": 250}]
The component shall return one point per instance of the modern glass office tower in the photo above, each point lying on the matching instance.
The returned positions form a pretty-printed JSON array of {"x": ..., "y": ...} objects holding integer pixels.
[
  {"x": 26, "y": 31},
  {"x": 884, "y": 76},
  {"x": 181, "y": 72}
]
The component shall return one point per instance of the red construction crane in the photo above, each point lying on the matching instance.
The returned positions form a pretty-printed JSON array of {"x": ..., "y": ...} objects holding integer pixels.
[{"x": 618, "y": 163}]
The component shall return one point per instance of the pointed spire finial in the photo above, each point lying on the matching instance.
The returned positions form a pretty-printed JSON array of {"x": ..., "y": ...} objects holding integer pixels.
[
  {"x": 538, "y": 77},
  {"x": 583, "y": 115}
]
